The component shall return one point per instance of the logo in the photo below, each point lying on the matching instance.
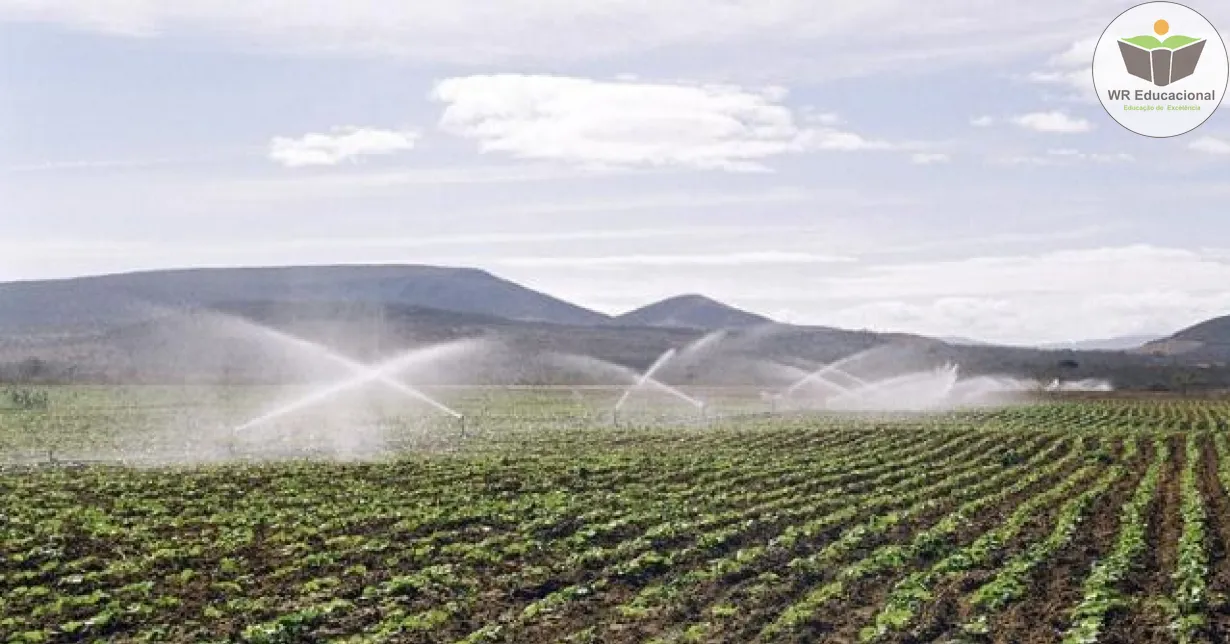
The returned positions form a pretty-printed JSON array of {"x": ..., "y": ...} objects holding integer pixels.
[
  {"x": 1161, "y": 62},
  {"x": 1179, "y": 50}
]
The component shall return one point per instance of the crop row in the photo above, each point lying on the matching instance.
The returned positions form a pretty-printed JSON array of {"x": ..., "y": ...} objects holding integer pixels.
[
  {"x": 1101, "y": 592},
  {"x": 909, "y": 596},
  {"x": 933, "y": 541}
]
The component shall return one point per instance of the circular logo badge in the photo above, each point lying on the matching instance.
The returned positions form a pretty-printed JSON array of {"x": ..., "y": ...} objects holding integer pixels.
[{"x": 1160, "y": 69}]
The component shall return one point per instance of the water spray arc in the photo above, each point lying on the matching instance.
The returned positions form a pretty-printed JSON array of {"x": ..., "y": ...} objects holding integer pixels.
[
  {"x": 363, "y": 374},
  {"x": 647, "y": 378},
  {"x": 911, "y": 391},
  {"x": 358, "y": 368},
  {"x": 833, "y": 367}
]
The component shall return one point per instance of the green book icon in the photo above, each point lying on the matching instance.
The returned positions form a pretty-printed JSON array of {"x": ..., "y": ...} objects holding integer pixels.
[{"x": 1161, "y": 62}]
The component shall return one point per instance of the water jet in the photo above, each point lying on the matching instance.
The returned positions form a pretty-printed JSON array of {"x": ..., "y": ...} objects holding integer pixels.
[
  {"x": 648, "y": 378},
  {"x": 363, "y": 375}
]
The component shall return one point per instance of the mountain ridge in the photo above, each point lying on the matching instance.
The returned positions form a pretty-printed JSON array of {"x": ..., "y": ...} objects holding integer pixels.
[
  {"x": 1208, "y": 340},
  {"x": 113, "y": 326},
  {"x": 1118, "y": 343},
  {"x": 120, "y": 298},
  {"x": 691, "y": 311}
]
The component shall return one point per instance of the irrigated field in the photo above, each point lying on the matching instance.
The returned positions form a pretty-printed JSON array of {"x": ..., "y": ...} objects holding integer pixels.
[{"x": 1093, "y": 521}]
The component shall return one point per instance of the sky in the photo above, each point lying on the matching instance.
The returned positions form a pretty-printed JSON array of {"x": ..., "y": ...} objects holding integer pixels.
[{"x": 939, "y": 167}]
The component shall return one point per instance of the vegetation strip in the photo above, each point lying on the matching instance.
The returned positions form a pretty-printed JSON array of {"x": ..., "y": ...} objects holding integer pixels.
[
  {"x": 1100, "y": 591},
  {"x": 1192, "y": 567},
  {"x": 884, "y": 529},
  {"x": 908, "y": 597},
  {"x": 893, "y": 557}
]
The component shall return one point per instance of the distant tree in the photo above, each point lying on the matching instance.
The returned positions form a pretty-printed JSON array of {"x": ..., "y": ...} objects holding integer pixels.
[
  {"x": 1183, "y": 381},
  {"x": 31, "y": 369}
]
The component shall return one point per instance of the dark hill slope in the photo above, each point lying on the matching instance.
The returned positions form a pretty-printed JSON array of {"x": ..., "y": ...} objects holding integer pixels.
[
  {"x": 691, "y": 312},
  {"x": 85, "y": 303},
  {"x": 1207, "y": 341}
]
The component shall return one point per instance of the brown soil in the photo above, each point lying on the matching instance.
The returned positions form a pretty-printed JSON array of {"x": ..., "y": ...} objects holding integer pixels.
[
  {"x": 1151, "y": 586},
  {"x": 1042, "y": 615},
  {"x": 598, "y": 609},
  {"x": 945, "y": 612},
  {"x": 1218, "y": 535},
  {"x": 842, "y": 619}
]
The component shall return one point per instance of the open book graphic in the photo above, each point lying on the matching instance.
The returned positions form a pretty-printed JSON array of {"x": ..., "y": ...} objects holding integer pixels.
[{"x": 1161, "y": 62}]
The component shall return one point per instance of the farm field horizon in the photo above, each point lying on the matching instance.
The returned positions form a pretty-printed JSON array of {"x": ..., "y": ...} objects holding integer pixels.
[{"x": 1078, "y": 518}]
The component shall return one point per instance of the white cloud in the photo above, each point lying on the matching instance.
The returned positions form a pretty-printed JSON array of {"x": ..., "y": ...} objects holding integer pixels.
[
  {"x": 63, "y": 166},
  {"x": 1029, "y": 319},
  {"x": 340, "y": 144},
  {"x": 1073, "y": 78},
  {"x": 1070, "y": 69},
  {"x": 1018, "y": 298},
  {"x": 1098, "y": 157},
  {"x": 631, "y": 124},
  {"x": 1060, "y": 295},
  {"x": 712, "y": 259},
  {"x": 822, "y": 118},
  {"x": 1053, "y": 121},
  {"x": 1024, "y": 159},
  {"x": 982, "y": 121},
  {"x": 1064, "y": 157},
  {"x": 1210, "y": 145},
  {"x": 514, "y": 238},
  {"x": 1119, "y": 157},
  {"x": 1079, "y": 54},
  {"x": 929, "y": 158},
  {"x": 823, "y": 139},
  {"x": 480, "y": 31},
  {"x": 336, "y": 248},
  {"x": 1125, "y": 269}
]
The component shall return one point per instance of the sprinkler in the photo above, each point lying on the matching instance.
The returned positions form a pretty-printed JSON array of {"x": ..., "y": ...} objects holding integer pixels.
[
  {"x": 384, "y": 373},
  {"x": 647, "y": 379},
  {"x": 461, "y": 424}
]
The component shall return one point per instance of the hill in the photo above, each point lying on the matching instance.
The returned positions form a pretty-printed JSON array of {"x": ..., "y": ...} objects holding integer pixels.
[
  {"x": 239, "y": 342},
  {"x": 95, "y": 303},
  {"x": 1207, "y": 341},
  {"x": 172, "y": 326},
  {"x": 691, "y": 312},
  {"x": 962, "y": 341},
  {"x": 1122, "y": 343}
]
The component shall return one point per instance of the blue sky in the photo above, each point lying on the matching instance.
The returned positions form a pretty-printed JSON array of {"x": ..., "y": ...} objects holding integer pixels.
[{"x": 943, "y": 169}]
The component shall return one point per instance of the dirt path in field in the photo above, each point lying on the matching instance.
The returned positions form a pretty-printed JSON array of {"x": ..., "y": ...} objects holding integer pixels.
[
  {"x": 1148, "y": 588},
  {"x": 1218, "y": 507},
  {"x": 1042, "y": 615}
]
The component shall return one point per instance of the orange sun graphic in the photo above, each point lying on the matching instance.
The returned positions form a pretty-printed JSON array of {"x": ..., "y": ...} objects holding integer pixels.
[{"x": 1161, "y": 27}]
